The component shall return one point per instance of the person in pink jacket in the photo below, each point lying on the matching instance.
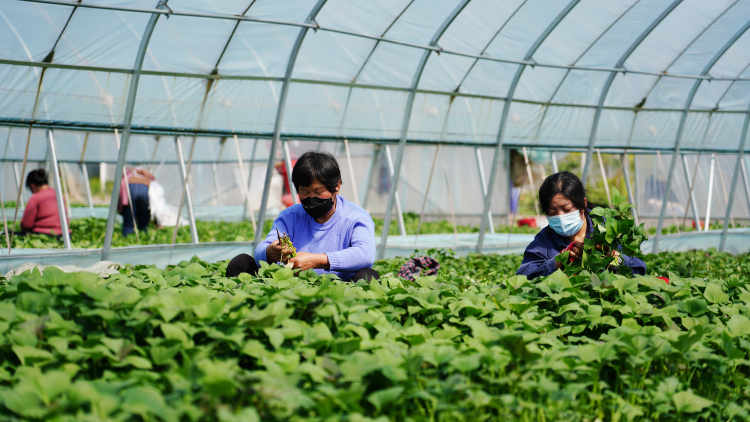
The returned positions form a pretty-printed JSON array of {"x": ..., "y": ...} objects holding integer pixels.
[{"x": 41, "y": 214}]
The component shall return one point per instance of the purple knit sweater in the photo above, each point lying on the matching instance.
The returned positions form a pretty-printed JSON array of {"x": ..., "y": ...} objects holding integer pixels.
[{"x": 348, "y": 238}]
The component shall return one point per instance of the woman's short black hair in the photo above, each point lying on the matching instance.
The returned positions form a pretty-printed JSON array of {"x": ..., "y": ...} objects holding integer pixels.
[
  {"x": 566, "y": 183},
  {"x": 320, "y": 166},
  {"x": 36, "y": 177}
]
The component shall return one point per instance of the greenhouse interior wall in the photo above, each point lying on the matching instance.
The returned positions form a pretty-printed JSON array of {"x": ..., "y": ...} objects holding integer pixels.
[{"x": 421, "y": 102}]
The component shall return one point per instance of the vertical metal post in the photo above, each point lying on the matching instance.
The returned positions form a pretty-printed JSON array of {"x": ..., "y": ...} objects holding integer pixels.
[
  {"x": 288, "y": 164},
  {"x": 483, "y": 184},
  {"x": 450, "y": 201},
  {"x": 604, "y": 178},
  {"x": 243, "y": 187},
  {"x": 735, "y": 176},
  {"x": 710, "y": 191},
  {"x": 724, "y": 187},
  {"x": 531, "y": 179},
  {"x": 66, "y": 191},
  {"x": 17, "y": 175},
  {"x": 128, "y": 119},
  {"x": 401, "y": 225},
  {"x": 626, "y": 174},
  {"x": 691, "y": 186},
  {"x": 351, "y": 171},
  {"x": 59, "y": 191},
  {"x": 217, "y": 189},
  {"x": 371, "y": 168},
  {"x": 87, "y": 182},
  {"x": 427, "y": 191},
  {"x": 188, "y": 198},
  {"x": 250, "y": 178},
  {"x": 554, "y": 163},
  {"x": 504, "y": 118},
  {"x": 102, "y": 177},
  {"x": 280, "y": 118}
]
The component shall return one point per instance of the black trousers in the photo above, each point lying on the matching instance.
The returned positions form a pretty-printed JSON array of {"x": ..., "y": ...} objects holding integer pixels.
[{"x": 244, "y": 263}]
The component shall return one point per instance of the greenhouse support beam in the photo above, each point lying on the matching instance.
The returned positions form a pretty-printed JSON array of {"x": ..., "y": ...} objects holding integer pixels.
[
  {"x": 405, "y": 124},
  {"x": 691, "y": 186},
  {"x": 371, "y": 169},
  {"x": 427, "y": 192},
  {"x": 351, "y": 171},
  {"x": 604, "y": 177},
  {"x": 483, "y": 184},
  {"x": 428, "y": 47},
  {"x": 628, "y": 186},
  {"x": 276, "y": 139},
  {"x": 185, "y": 178},
  {"x": 504, "y": 118},
  {"x": 244, "y": 188},
  {"x": 127, "y": 121},
  {"x": 250, "y": 183},
  {"x": 59, "y": 191},
  {"x": 735, "y": 176},
  {"x": 530, "y": 175},
  {"x": 289, "y": 169},
  {"x": 710, "y": 192},
  {"x": 554, "y": 163},
  {"x": 87, "y": 182},
  {"x": 683, "y": 118},
  {"x": 217, "y": 189},
  {"x": 399, "y": 210},
  {"x": 608, "y": 84}
]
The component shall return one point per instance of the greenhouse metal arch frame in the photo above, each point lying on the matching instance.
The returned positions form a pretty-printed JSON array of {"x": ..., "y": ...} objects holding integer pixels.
[{"x": 725, "y": 25}]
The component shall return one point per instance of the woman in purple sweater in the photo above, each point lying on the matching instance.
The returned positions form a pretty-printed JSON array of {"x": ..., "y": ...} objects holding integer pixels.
[{"x": 331, "y": 234}]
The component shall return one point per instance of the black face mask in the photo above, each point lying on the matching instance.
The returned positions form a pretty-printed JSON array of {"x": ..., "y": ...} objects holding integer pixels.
[{"x": 317, "y": 207}]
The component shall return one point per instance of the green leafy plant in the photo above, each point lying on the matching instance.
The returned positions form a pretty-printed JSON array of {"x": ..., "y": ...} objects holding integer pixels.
[
  {"x": 614, "y": 232},
  {"x": 188, "y": 343}
]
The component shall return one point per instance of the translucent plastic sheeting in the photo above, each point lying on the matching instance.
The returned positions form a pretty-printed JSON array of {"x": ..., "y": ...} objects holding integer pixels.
[
  {"x": 204, "y": 69},
  {"x": 102, "y": 147},
  {"x": 738, "y": 241},
  {"x": 463, "y": 188},
  {"x": 651, "y": 177}
]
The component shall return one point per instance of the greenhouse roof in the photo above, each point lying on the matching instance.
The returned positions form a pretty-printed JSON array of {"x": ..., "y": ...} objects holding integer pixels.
[{"x": 613, "y": 74}]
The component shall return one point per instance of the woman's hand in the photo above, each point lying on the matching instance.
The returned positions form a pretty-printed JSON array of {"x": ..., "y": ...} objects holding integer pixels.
[
  {"x": 306, "y": 260},
  {"x": 273, "y": 252},
  {"x": 575, "y": 252}
]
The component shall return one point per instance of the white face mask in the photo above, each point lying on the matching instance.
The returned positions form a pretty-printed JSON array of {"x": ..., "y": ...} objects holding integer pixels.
[{"x": 566, "y": 224}]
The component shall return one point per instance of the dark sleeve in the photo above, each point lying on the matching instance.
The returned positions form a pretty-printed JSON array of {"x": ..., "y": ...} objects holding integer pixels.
[
  {"x": 535, "y": 262},
  {"x": 635, "y": 264}
]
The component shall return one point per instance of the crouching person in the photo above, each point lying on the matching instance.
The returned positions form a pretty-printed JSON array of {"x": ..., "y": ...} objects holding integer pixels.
[{"x": 331, "y": 234}]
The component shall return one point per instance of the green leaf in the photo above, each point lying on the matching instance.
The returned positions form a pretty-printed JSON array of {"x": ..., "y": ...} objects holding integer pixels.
[
  {"x": 30, "y": 355},
  {"x": 739, "y": 325},
  {"x": 714, "y": 294},
  {"x": 145, "y": 401},
  {"x": 695, "y": 307},
  {"x": 381, "y": 398},
  {"x": 687, "y": 402}
]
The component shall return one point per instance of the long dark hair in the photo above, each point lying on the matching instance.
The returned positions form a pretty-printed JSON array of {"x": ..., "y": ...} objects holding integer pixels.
[
  {"x": 36, "y": 177},
  {"x": 566, "y": 183}
]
